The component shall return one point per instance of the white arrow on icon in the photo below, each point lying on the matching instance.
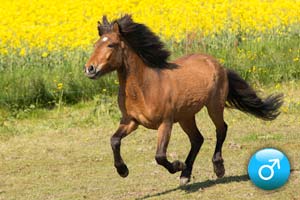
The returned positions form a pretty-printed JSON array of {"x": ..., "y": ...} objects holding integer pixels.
[{"x": 275, "y": 161}]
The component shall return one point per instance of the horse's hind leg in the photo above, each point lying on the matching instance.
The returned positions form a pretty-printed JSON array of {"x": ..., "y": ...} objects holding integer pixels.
[
  {"x": 190, "y": 128},
  {"x": 216, "y": 114}
]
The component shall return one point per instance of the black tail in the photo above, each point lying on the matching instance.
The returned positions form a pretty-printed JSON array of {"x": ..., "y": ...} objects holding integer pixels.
[{"x": 244, "y": 98}]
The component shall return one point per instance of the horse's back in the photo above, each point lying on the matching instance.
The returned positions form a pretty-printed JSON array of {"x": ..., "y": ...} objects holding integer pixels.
[
  {"x": 198, "y": 78},
  {"x": 203, "y": 62}
]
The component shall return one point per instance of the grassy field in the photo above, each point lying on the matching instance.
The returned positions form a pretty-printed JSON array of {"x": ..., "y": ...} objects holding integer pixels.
[{"x": 65, "y": 153}]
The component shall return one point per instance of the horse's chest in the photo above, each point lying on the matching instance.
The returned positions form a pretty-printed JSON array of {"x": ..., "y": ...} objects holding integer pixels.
[
  {"x": 142, "y": 114},
  {"x": 129, "y": 102},
  {"x": 132, "y": 103},
  {"x": 138, "y": 112}
]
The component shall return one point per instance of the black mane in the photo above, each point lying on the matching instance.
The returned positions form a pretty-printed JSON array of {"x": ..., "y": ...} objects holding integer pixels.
[{"x": 141, "y": 39}]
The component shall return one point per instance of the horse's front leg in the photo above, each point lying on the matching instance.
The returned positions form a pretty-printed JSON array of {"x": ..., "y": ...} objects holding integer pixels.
[
  {"x": 125, "y": 128},
  {"x": 164, "y": 133}
]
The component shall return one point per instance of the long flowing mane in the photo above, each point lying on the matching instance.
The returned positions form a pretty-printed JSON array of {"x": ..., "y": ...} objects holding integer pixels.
[{"x": 141, "y": 39}]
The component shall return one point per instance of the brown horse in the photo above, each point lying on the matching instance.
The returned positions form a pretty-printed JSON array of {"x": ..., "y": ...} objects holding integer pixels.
[{"x": 156, "y": 93}]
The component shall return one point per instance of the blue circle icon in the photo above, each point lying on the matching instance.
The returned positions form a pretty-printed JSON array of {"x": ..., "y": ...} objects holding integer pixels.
[{"x": 269, "y": 169}]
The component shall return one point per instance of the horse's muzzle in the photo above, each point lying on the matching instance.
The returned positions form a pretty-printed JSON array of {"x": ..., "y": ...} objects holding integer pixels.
[{"x": 91, "y": 71}]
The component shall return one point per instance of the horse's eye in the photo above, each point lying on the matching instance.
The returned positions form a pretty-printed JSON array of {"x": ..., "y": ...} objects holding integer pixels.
[{"x": 113, "y": 45}]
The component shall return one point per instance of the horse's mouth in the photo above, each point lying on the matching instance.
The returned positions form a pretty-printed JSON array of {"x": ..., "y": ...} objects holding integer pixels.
[{"x": 94, "y": 75}]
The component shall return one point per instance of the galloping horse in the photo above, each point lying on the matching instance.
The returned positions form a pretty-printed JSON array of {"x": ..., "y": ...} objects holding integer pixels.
[{"x": 156, "y": 93}]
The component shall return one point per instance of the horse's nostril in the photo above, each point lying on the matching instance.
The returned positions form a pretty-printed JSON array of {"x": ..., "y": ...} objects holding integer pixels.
[{"x": 91, "y": 69}]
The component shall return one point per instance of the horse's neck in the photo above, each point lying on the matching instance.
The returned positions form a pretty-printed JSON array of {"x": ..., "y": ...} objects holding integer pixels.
[{"x": 131, "y": 75}]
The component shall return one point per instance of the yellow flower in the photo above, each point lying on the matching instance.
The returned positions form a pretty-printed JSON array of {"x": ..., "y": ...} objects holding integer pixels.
[
  {"x": 277, "y": 86},
  {"x": 258, "y": 39},
  {"x": 59, "y": 86},
  {"x": 22, "y": 52},
  {"x": 296, "y": 59},
  {"x": 253, "y": 68},
  {"x": 45, "y": 28},
  {"x": 4, "y": 51},
  {"x": 45, "y": 54},
  {"x": 221, "y": 60}
]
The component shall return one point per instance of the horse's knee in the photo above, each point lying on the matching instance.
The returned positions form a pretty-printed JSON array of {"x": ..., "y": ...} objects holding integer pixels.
[
  {"x": 160, "y": 159},
  {"x": 115, "y": 142},
  {"x": 222, "y": 132},
  {"x": 199, "y": 140},
  {"x": 222, "y": 129},
  {"x": 225, "y": 127}
]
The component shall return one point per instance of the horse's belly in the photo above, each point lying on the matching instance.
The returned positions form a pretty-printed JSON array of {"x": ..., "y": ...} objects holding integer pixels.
[
  {"x": 188, "y": 110},
  {"x": 190, "y": 102},
  {"x": 146, "y": 121}
]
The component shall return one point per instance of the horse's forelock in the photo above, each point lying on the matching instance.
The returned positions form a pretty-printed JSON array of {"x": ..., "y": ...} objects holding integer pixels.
[
  {"x": 104, "y": 27},
  {"x": 105, "y": 20}
]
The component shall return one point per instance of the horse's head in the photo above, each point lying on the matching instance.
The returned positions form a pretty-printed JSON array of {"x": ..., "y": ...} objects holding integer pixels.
[{"x": 107, "y": 55}]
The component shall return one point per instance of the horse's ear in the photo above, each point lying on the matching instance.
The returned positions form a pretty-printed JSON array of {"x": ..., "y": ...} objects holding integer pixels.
[
  {"x": 99, "y": 28},
  {"x": 116, "y": 28}
]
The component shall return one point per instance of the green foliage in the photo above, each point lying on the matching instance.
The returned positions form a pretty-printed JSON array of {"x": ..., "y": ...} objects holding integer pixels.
[{"x": 48, "y": 80}]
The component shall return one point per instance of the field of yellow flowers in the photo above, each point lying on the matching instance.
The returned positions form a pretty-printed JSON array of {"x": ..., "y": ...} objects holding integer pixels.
[{"x": 56, "y": 24}]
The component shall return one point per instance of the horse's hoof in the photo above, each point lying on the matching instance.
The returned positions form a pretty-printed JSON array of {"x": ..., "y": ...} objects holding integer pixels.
[
  {"x": 178, "y": 165},
  {"x": 219, "y": 168},
  {"x": 184, "y": 181},
  {"x": 220, "y": 173},
  {"x": 123, "y": 170}
]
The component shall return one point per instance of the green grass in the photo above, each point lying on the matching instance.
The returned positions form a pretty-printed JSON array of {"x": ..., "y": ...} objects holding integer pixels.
[
  {"x": 65, "y": 153},
  {"x": 32, "y": 81}
]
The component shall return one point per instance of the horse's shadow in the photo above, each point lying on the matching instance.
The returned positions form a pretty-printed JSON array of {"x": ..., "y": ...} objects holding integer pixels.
[{"x": 194, "y": 187}]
